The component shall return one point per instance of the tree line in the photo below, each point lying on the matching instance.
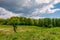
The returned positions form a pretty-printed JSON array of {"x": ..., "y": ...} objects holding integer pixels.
[{"x": 45, "y": 22}]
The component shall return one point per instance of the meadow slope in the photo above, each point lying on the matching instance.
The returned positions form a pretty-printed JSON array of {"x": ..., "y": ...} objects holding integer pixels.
[{"x": 29, "y": 33}]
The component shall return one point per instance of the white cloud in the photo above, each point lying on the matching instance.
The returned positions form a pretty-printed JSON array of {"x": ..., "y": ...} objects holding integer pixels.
[
  {"x": 47, "y": 8},
  {"x": 42, "y": 1},
  {"x": 36, "y": 17},
  {"x": 52, "y": 11},
  {"x": 47, "y": 1},
  {"x": 6, "y": 14},
  {"x": 56, "y": 1}
]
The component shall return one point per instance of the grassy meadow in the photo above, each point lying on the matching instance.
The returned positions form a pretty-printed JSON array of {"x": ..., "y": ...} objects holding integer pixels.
[{"x": 29, "y": 33}]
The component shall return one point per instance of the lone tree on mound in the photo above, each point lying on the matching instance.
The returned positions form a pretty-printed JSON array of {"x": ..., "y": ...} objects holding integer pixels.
[{"x": 14, "y": 21}]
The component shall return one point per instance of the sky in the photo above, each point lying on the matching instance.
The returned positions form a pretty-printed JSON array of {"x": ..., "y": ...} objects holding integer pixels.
[{"x": 30, "y": 8}]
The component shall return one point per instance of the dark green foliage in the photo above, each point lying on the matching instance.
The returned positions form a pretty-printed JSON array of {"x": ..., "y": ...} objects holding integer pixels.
[
  {"x": 2, "y": 21},
  {"x": 46, "y": 22},
  {"x": 40, "y": 22}
]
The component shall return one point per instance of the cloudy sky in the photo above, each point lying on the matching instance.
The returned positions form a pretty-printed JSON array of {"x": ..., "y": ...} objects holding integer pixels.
[{"x": 30, "y": 8}]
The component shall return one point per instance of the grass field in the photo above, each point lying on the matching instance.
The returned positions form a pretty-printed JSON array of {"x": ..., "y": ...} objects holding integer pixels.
[{"x": 29, "y": 33}]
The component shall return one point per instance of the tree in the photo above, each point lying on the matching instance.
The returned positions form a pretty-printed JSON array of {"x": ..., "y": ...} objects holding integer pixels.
[
  {"x": 14, "y": 21},
  {"x": 35, "y": 22},
  {"x": 2, "y": 21},
  {"x": 40, "y": 22},
  {"x": 47, "y": 22},
  {"x": 22, "y": 21},
  {"x": 30, "y": 21},
  {"x": 54, "y": 22}
]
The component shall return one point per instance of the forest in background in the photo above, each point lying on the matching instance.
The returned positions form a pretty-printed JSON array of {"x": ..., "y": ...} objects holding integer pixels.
[{"x": 45, "y": 22}]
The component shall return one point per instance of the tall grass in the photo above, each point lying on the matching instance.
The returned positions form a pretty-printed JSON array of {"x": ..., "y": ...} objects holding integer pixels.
[{"x": 29, "y": 33}]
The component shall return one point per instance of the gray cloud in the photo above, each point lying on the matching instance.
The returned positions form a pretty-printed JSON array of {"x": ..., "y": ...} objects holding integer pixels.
[
  {"x": 20, "y": 5},
  {"x": 23, "y": 6}
]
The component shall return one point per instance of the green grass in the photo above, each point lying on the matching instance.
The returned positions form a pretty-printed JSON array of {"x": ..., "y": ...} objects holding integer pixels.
[{"x": 29, "y": 33}]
